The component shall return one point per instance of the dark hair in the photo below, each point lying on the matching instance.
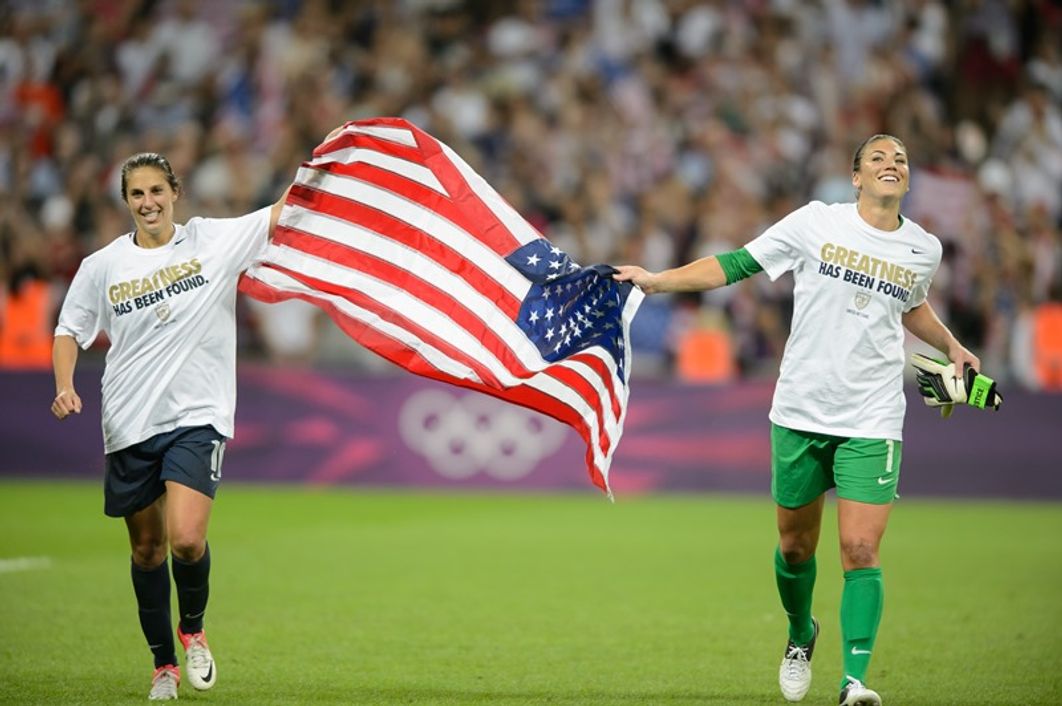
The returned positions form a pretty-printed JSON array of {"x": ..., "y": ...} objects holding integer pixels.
[
  {"x": 149, "y": 159},
  {"x": 858, "y": 156}
]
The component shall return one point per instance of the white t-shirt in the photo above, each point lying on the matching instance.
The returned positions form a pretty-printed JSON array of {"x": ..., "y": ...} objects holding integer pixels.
[
  {"x": 170, "y": 314},
  {"x": 842, "y": 371}
]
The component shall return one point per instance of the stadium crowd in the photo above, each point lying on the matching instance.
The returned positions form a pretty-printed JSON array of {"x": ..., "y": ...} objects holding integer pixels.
[{"x": 648, "y": 131}]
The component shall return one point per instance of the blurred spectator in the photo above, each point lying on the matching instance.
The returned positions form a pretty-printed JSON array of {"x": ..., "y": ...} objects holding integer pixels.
[
  {"x": 1036, "y": 344},
  {"x": 290, "y": 330},
  {"x": 1029, "y": 139},
  {"x": 1047, "y": 345},
  {"x": 190, "y": 44},
  {"x": 27, "y": 302}
]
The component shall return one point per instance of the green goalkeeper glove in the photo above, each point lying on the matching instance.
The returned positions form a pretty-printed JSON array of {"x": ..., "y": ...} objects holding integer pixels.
[{"x": 940, "y": 388}]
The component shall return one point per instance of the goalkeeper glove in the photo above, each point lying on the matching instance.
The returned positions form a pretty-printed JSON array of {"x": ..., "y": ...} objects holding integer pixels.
[{"x": 940, "y": 388}]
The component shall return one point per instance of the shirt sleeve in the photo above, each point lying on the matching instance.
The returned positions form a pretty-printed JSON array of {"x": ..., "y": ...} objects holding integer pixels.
[
  {"x": 920, "y": 290},
  {"x": 776, "y": 249},
  {"x": 82, "y": 314},
  {"x": 242, "y": 239}
]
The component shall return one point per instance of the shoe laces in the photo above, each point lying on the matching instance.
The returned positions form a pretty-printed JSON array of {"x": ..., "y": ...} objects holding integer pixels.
[
  {"x": 165, "y": 680},
  {"x": 796, "y": 662},
  {"x": 853, "y": 685},
  {"x": 197, "y": 651}
]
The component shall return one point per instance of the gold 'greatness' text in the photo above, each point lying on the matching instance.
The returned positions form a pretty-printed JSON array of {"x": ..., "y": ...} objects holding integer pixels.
[
  {"x": 872, "y": 266},
  {"x": 167, "y": 275}
]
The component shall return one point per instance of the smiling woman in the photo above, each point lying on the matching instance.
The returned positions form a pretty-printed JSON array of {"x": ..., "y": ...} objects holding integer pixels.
[
  {"x": 861, "y": 274},
  {"x": 880, "y": 166},
  {"x": 149, "y": 189},
  {"x": 165, "y": 294}
]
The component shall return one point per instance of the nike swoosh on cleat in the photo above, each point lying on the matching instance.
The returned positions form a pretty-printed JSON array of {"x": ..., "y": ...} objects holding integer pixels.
[
  {"x": 209, "y": 674},
  {"x": 918, "y": 252},
  {"x": 857, "y": 651}
]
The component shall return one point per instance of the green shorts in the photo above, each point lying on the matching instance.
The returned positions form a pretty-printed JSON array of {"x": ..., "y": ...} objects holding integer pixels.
[{"x": 804, "y": 465}]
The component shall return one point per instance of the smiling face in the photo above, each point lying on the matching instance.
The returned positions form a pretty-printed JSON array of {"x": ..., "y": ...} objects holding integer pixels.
[
  {"x": 150, "y": 199},
  {"x": 880, "y": 170}
]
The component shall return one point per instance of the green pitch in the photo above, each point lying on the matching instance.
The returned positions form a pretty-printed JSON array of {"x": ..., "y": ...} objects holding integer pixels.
[{"x": 353, "y": 597}]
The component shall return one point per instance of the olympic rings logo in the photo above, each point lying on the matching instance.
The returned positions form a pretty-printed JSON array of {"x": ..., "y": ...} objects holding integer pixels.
[{"x": 462, "y": 436}]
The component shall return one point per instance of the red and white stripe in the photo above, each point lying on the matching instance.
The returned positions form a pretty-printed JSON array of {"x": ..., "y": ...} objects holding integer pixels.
[{"x": 404, "y": 245}]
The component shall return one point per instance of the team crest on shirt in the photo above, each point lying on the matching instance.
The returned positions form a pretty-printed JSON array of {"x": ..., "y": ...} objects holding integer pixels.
[
  {"x": 861, "y": 300},
  {"x": 163, "y": 311}
]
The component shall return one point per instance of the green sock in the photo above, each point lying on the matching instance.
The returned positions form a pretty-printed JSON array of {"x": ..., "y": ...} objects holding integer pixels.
[
  {"x": 796, "y": 583},
  {"x": 861, "y": 603}
]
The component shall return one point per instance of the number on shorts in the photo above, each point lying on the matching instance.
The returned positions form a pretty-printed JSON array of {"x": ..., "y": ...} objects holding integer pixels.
[{"x": 216, "y": 457}]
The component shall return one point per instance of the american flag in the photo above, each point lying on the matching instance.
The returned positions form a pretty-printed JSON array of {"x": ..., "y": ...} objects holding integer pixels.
[{"x": 418, "y": 259}]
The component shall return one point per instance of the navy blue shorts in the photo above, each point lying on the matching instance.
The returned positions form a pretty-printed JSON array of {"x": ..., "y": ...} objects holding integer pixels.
[{"x": 136, "y": 475}]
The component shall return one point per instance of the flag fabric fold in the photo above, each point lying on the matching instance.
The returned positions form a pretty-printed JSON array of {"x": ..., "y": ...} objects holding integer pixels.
[{"x": 418, "y": 259}]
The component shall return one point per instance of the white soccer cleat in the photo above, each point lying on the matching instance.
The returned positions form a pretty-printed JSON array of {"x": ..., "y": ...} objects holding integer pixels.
[
  {"x": 855, "y": 694},
  {"x": 198, "y": 662},
  {"x": 794, "y": 676},
  {"x": 164, "y": 683}
]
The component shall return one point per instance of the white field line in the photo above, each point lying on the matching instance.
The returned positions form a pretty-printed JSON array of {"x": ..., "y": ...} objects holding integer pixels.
[{"x": 24, "y": 563}]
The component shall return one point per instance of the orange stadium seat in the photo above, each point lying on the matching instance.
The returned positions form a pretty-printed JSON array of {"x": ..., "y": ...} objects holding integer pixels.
[
  {"x": 26, "y": 327},
  {"x": 1047, "y": 345},
  {"x": 705, "y": 355}
]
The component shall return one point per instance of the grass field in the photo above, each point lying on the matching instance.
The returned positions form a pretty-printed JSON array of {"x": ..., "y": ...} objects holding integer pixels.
[{"x": 354, "y": 597}]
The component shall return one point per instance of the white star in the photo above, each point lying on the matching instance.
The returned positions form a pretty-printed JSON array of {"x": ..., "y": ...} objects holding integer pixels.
[
  {"x": 533, "y": 260},
  {"x": 554, "y": 264},
  {"x": 555, "y": 250},
  {"x": 576, "y": 331},
  {"x": 534, "y": 317},
  {"x": 567, "y": 340},
  {"x": 549, "y": 334},
  {"x": 549, "y": 314}
]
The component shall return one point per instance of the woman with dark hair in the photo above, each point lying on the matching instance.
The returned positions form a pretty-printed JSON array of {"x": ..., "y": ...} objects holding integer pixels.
[
  {"x": 165, "y": 295},
  {"x": 861, "y": 272}
]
